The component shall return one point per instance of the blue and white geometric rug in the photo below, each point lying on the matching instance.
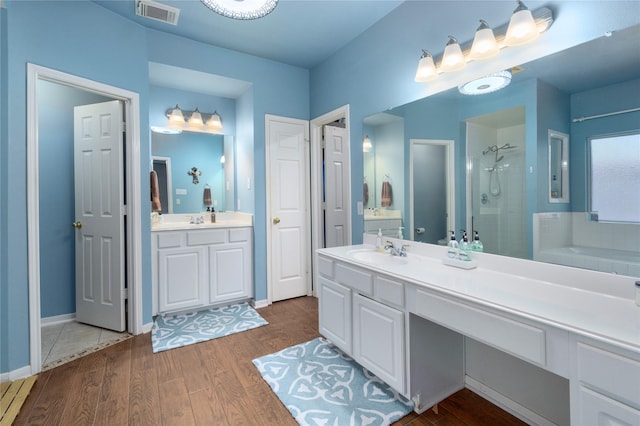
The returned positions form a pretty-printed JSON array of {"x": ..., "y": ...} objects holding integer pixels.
[
  {"x": 320, "y": 385},
  {"x": 174, "y": 331}
]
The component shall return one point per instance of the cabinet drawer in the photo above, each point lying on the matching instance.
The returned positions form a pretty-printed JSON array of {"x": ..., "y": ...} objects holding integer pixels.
[
  {"x": 514, "y": 337},
  {"x": 201, "y": 237},
  {"x": 239, "y": 235},
  {"x": 356, "y": 278},
  {"x": 325, "y": 267},
  {"x": 169, "y": 239},
  {"x": 388, "y": 291},
  {"x": 614, "y": 374},
  {"x": 597, "y": 409}
]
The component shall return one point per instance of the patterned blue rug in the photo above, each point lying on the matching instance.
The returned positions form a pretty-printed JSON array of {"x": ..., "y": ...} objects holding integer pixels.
[
  {"x": 174, "y": 331},
  {"x": 320, "y": 385}
]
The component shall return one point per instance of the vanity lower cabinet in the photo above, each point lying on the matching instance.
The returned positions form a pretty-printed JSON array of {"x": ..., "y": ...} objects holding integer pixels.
[
  {"x": 198, "y": 268},
  {"x": 358, "y": 312}
]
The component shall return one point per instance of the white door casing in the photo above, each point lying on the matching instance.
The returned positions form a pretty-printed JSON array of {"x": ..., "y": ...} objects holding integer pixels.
[
  {"x": 336, "y": 167},
  {"x": 99, "y": 208},
  {"x": 287, "y": 172}
]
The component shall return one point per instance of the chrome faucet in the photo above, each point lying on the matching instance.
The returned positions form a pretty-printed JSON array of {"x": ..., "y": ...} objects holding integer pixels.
[{"x": 396, "y": 251}]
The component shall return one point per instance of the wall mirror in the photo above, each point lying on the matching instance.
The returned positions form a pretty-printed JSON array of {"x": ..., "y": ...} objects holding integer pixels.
[
  {"x": 506, "y": 158},
  {"x": 174, "y": 155},
  {"x": 558, "y": 177}
]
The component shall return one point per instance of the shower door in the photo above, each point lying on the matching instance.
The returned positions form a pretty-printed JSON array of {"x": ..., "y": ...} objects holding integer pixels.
[{"x": 496, "y": 187}]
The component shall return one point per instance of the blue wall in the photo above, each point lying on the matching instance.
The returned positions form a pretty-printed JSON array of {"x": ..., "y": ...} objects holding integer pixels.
[
  {"x": 120, "y": 60},
  {"x": 4, "y": 148}
]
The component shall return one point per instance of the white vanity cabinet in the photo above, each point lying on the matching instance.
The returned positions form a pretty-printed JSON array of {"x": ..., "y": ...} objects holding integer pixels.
[
  {"x": 358, "y": 312},
  {"x": 196, "y": 268}
]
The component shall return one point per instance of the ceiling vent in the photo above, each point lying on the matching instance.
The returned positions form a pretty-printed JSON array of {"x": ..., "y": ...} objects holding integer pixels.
[{"x": 159, "y": 12}]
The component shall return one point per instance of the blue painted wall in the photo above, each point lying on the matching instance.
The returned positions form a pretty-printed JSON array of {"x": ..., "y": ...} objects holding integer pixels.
[
  {"x": 120, "y": 60},
  {"x": 4, "y": 148},
  {"x": 57, "y": 237}
]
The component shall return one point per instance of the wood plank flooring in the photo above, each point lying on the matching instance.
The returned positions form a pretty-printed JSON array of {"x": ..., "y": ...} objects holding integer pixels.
[{"x": 210, "y": 383}]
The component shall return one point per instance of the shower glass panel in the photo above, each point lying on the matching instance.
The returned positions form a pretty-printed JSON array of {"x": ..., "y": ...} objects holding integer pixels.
[{"x": 496, "y": 183}]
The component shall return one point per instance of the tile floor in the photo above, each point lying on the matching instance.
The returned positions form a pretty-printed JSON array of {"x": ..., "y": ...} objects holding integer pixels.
[{"x": 63, "y": 342}]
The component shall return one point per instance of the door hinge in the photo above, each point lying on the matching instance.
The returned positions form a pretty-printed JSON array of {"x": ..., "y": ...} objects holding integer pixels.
[
  {"x": 124, "y": 126},
  {"x": 324, "y": 205},
  {"x": 125, "y": 294},
  {"x": 123, "y": 210}
]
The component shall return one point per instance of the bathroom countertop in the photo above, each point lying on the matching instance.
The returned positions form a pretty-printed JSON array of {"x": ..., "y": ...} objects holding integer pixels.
[
  {"x": 179, "y": 222},
  {"x": 549, "y": 294}
]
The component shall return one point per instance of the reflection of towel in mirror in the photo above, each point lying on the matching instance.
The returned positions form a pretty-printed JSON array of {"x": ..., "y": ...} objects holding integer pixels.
[
  {"x": 156, "y": 206},
  {"x": 365, "y": 193},
  {"x": 386, "y": 197},
  {"x": 207, "y": 197}
]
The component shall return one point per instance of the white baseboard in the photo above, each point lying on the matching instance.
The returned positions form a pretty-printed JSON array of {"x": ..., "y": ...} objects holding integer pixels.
[
  {"x": 260, "y": 303},
  {"x": 16, "y": 374},
  {"x": 507, "y": 404},
  {"x": 147, "y": 327},
  {"x": 58, "y": 319}
]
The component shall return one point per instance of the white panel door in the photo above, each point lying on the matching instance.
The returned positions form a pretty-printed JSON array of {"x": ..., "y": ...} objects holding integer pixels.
[
  {"x": 336, "y": 169},
  {"x": 288, "y": 192},
  {"x": 99, "y": 222}
]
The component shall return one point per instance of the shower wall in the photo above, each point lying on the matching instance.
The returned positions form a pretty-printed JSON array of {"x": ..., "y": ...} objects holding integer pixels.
[{"x": 496, "y": 201}]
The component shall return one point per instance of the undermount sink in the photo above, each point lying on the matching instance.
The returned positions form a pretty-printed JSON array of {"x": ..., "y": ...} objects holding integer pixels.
[{"x": 377, "y": 258}]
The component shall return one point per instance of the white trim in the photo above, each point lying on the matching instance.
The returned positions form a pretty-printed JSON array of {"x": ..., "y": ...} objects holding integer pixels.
[
  {"x": 450, "y": 181},
  {"x": 258, "y": 304},
  {"x": 506, "y": 403},
  {"x": 267, "y": 155},
  {"x": 20, "y": 373},
  {"x": 147, "y": 327},
  {"x": 317, "y": 223},
  {"x": 57, "y": 319},
  {"x": 167, "y": 165},
  {"x": 134, "y": 195}
]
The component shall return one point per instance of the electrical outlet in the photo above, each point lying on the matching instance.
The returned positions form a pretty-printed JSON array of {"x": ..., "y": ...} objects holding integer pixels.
[{"x": 178, "y": 201}]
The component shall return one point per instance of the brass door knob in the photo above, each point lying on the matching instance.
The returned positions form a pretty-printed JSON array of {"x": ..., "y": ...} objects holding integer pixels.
[
  {"x": 276, "y": 220},
  {"x": 77, "y": 224}
]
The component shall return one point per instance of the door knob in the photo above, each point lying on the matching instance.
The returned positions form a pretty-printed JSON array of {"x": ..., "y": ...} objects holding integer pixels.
[
  {"x": 276, "y": 220},
  {"x": 77, "y": 224}
]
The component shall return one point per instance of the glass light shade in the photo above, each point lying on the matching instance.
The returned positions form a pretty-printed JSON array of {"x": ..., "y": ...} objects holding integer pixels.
[
  {"x": 453, "y": 58},
  {"x": 196, "y": 119},
  {"x": 222, "y": 159},
  {"x": 176, "y": 118},
  {"x": 241, "y": 9},
  {"x": 484, "y": 43},
  {"x": 366, "y": 144},
  {"x": 522, "y": 27},
  {"x": 215, "y": 122},
  {"x": 426, "y": 68}
]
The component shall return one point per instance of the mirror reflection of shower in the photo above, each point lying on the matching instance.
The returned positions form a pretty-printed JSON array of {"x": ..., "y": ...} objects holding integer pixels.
[
  {"x": 494, "y": 176},
  {"x": 496, "y": 181}
]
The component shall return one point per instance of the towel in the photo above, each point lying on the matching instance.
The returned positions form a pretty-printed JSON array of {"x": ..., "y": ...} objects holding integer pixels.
[
  {"x": 386, "y": 198},
  {"x": 207, "y": 197},
  {"x": 156, "y": 205},
  {"x": 365, "y": 190}
]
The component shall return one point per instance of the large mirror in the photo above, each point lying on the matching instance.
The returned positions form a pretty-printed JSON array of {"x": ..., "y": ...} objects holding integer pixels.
[{"x": 509, "y": 145}]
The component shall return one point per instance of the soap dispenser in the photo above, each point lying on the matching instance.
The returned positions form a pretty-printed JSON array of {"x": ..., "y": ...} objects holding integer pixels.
[
  {"x": 465, "y": 248},
  {"x": 476, "y": 245},
  {"x": 379, "y": 240},
  {"x": 452, "y": 250},
  {"x": 400, "y": 236}
]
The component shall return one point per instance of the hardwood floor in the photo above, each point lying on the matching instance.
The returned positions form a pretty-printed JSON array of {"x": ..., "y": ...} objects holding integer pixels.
[{"x": 210, "y": 383}]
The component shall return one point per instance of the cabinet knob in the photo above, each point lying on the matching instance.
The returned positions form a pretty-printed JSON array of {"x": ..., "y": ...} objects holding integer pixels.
[
  {"x": 77, "y": 224},
  {"x": 276, "y": 220}
]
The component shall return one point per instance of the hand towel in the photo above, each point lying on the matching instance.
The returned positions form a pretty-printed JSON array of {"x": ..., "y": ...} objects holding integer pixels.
[
  {"x": 156, "y": 205},
  {"x": 386, "y": 197},
  {"x": 207, "y": 197},
  {"x": 365, "y": 190}
]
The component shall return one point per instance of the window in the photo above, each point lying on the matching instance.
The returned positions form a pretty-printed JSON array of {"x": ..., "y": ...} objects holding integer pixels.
[{"x": 615, "y": 177}]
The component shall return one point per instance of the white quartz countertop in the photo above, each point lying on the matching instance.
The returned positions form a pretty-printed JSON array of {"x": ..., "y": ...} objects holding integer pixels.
[
  {"x": 557, "y": 300},
  {"x": 178, "y": 222}
]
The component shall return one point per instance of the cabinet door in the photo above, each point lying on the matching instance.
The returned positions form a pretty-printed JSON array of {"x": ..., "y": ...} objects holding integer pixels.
[
  {"x": 230, "y": 272},
  {"x": 334, "y": 306},
  {"x": 182, "y": 278},
  {"x": 597, "y": 409},
  {"x": 378, "y": 340}
]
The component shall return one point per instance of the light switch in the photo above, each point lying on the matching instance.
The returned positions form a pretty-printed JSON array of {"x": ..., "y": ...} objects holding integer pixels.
[{"x": 360, "y": 208}]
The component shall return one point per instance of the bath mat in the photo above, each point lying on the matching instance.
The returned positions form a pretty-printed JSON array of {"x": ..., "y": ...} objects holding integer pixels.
[
  {"x": 174, "y": 331},
  {"x": 320, "y": 385}
]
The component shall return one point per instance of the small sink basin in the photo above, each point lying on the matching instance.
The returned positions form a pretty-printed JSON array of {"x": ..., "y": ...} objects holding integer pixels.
[{"x": 377, "y": 258}]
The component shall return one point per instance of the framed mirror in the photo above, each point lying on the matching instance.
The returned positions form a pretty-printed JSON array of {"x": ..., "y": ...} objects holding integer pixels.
[{"x": 558, "y": 145}]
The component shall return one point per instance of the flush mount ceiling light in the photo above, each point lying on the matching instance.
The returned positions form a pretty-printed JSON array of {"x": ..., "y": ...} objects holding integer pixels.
[
  {"x": 487, "y": 84},
  {"x": 523, "y": 27},
  {"x": 241, "y": 9}
]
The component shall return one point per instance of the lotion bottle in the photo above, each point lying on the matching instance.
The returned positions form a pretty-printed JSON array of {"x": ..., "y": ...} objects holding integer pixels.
[
  {"x": 465, "y": 248},
  {"x": 452, "y": 250},
  {"x": 400, "y": 236},
  {"x": 379, "y": 240},
  {"x": 476, "y": 245}
]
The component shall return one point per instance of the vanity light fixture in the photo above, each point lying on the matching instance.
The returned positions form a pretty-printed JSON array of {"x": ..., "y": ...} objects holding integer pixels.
[
  {"x": 196, "y": 121},
  {"x": 523, "y": 27},
  {"x": 366, "y": 144},
  {"x": 241, "y": 9}
]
